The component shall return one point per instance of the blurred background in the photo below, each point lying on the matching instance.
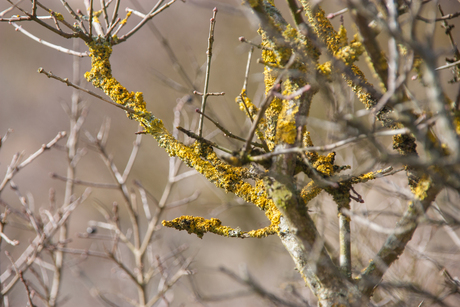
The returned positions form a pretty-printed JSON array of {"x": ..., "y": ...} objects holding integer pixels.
[{"x": 34, "y": 107}]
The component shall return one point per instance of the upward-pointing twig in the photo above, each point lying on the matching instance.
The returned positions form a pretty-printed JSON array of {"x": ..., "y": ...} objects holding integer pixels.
[
  {"x": 248, "y": 65},
  {"x": 208, "y": 68}
]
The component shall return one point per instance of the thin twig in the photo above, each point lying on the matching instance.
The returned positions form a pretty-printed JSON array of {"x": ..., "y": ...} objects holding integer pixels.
[
  {"x": 448, "y": 65},
  {"x": 149, "y": 16},
  {"x": 31, "y": 252},
  {"x": 21, "y": 277},
  {"x": 5, "y": 136},
  {"x": 226, "y": 132},
  {"x": 328, "y": 147},
  {"x": 132, "y": 157},
  {"x": 115, "y": 10},
  {"x": 338, "y": 13},
  {"x": 208, "y": 70},
  {"x": 15, "y": 165},
  {"x": 39, "y": 40},
  {"x": 177, "y": 66},
  {"x": 68, "y": 83},
  {"x": 90, "y": 17},
  {"x": 248, "y": 281},
  {"x": 209, "y": 94},
  {"x": 183, "y": 271},
  {"x": 248, "y": 65},
  {"x": 258, "y": 46},
  {"x": 184, "y": 201},
  {"x": 75, "y": 16},
  {"x": 203, "y": 140},
  {"x": 8, "y": 240},
  {"x": 299, "y": 92},
  {"x": 443, "y": 18},
  {"x": 85, "y": 183}
]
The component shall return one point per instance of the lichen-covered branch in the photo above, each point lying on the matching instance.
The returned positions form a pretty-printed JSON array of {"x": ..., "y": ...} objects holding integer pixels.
[
  {"x": 197, "y": 156},
  {"x": 200, "y": 226}
]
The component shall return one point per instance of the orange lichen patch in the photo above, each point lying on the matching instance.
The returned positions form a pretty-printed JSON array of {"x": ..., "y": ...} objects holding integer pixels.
[
  {"x": 310, "y": 191},
  {"x": 223, "y": 175},
  {"x": 368, "y": 176}
]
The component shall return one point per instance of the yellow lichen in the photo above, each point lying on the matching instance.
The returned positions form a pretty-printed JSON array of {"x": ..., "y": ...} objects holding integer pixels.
[
  {"x": 246, "y": 105},
  {"x": 342, "y": 39},
  {"x": 223, "y": 175},
  {"x": 325, "y": 68},
  {"x": 124, "y": 20},
  {"x": 424, "y": 184},
  {"x": 286, "y": 131},
  {"x": 457, "y": 122},
  {"x": 252, "y": 3},
  {"x": 307, "y": 139},
  {"x": 323, "y": 28},
  {"x": 200, "y": 226},
  {"x": 325, "y": 164},
  {"x": 57, "y": 15},
  {"x": 381, "y": 65},
  {"x": 350, "y": 53},
  {"x": 310, "y": 191},
  {"x": 418, "y": 65}
]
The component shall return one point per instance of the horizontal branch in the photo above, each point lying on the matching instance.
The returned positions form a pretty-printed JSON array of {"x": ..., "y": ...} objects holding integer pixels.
[
  {"x": 200, "y": 226},
  {"x": 327, "y": 147},
  {"x": 86, "y": 183}
]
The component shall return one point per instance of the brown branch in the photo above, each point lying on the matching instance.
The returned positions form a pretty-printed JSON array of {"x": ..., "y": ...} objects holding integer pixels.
[{"x": 68, "y": 83}]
